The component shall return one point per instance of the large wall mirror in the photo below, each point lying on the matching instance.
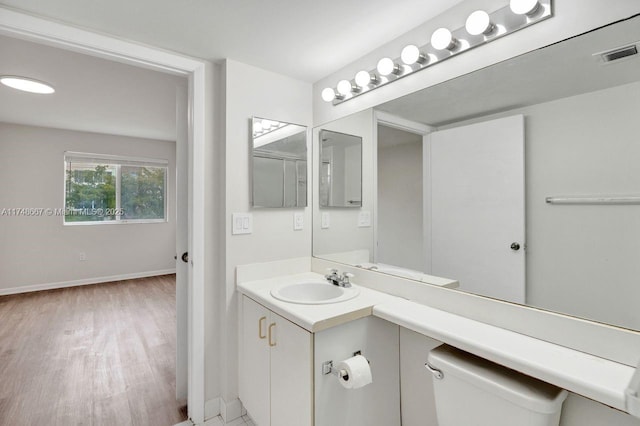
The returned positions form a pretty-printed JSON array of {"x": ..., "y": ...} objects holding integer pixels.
[
  {"x": 278, "y": 164},
  {"x": 521, "y": 180}
]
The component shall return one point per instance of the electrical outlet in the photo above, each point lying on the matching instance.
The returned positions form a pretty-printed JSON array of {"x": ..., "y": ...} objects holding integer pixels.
[{"x": 82, "y": 256}]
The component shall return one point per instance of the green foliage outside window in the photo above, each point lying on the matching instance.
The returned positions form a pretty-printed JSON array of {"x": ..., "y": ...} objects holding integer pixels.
[
  {"x": 142, "y": 192},
  {"x": 92, "y": 189}
]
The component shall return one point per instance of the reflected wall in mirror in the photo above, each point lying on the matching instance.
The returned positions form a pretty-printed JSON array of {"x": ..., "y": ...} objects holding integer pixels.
[
  {"x": 340, "y": 169},
  {"x": 339, "y": 234},
  {"x": 464, "y": 170},
  {"x": 278, "y": 164}
]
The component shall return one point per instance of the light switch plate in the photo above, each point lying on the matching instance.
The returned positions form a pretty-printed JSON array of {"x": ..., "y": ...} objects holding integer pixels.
[
  {"x": 298, "y": 221},
  {"x": 325, "y": 221},
  {"x": 364, "y": 219},
  {"x": 242, "y": 223}
]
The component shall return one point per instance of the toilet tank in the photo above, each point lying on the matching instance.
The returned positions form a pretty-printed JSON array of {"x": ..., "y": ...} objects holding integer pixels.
[{"x": 474, "y": 391}]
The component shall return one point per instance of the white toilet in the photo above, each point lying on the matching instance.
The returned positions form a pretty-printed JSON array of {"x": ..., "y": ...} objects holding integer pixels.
[{"x": 474, "y": 391}]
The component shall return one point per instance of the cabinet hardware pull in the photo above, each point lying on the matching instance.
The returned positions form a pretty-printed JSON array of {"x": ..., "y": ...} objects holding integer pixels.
[
  {"x": 260, "y": 322},
  {"x": 271, "y": 343},
  {"x": 436, "y": 372}
]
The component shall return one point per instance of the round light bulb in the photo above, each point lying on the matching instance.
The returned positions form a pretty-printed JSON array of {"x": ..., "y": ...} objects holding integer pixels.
[
  {"x": 524, "y": 7},
  {"x": 442, "y": 39},
  {"x": 363, "y": 78},
  {"x": 27, "y": 84},
  {"x": 257, "y": 127},
  {"x": 328, "y": 94},
  {"x": 266, "y": 124},
  {"x": 411, "y": 54},
  {"x": 478, "y": 23},
  {"x": 386, "y": 66},
  {"x": 344, "y": 87}
]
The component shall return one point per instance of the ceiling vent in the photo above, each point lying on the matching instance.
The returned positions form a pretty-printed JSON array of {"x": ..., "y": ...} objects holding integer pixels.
[{"x": 616, "y": 54}]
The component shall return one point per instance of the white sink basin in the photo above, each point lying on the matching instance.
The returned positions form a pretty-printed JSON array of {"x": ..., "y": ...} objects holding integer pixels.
[{"x": 313, "y": 293}]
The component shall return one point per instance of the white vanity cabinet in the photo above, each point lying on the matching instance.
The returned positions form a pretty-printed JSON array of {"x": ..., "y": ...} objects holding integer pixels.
[{"x": 276, "y": 360}]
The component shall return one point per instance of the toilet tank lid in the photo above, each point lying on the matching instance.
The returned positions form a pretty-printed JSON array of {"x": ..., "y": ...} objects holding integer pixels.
[{"x": 520, "y": 389}]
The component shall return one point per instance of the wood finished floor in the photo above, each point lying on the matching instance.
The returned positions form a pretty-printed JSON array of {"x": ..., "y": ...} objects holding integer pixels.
[{"x": 93, "y": 355}]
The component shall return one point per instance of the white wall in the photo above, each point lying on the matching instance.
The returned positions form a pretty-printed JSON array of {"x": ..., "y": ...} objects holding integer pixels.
[
  {"x": 249, "y": 91},
  {"x": 400, "y": 237},
  {"x": 571, "y": 17},
  {"x": 41, "y": 250},
  {"x": 418, "y": 404},
  {"x": 582, "y": 259},
  {"x": 376, "y": 404},
  {"x": 344, "y": 235}
]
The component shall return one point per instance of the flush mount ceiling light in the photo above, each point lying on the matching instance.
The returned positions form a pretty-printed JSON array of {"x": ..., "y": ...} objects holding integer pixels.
[
  {"x": 27, "y": 84},
  {"x": 524, "y": 7},
  {"x": 478, "y": 23},
  {"x": 481, "y": 27}
]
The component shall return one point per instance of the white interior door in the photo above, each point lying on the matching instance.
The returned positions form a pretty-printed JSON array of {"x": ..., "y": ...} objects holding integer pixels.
[
  {"x": 182, "y": 242},
  {"x": 475, "y": 205}
]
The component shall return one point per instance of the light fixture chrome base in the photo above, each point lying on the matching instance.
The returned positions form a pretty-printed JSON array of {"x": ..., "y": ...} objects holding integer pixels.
[{"x": 504, "y": 22}]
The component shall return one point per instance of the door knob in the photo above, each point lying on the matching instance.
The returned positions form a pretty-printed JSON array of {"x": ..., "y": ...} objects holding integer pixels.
[
  {"x": 185, "y": 257},
  {"x": 515, "y": 246}
]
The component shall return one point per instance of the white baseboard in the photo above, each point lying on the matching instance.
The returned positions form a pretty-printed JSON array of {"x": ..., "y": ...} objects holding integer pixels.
[
  {"x": 229, "y": 411},
  {"x": 84, "y": 281},
  {"x": 211, "y": 408}
]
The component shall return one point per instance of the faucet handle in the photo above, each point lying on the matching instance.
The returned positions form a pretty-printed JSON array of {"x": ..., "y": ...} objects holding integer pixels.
[{"x": 346, "y": 276}]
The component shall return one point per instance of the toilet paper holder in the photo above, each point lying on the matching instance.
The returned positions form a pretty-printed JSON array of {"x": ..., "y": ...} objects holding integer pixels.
[{"x": 327, "y": 368}]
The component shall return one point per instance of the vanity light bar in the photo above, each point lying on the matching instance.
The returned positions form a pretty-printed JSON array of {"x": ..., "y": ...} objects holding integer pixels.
[
  {"x": 480, "y": 28},
  {"x": 263, "y": 127}
]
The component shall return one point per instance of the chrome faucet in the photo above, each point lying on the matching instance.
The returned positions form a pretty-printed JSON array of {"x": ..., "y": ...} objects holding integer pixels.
[{"x": 339, "y": 280}]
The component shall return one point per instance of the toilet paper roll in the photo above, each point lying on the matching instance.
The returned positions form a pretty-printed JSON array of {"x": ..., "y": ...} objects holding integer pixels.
[{"x": 358, "y": 372}]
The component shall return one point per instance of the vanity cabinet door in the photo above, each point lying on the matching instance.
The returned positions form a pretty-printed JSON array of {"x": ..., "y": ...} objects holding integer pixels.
[
  {"x": 276, "y": 377},
  {"x": 291, "y": 374},
  {"x": 254, "y": 361}
]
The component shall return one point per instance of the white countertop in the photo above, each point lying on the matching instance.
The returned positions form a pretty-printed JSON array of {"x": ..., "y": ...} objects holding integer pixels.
[
  {"x": 593, "y": 377},
  {"x": 596, "y": 378},
  {"x": 313, "y": 318}
]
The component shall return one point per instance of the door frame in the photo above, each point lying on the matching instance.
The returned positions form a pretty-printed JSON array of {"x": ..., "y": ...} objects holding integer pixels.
[
  {"x": 389, "y": 120},
  {"x": 27, "y": 27}
]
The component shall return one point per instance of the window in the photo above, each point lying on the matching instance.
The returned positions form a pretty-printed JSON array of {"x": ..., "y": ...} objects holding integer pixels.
[{"x": 110, "y": 189}]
